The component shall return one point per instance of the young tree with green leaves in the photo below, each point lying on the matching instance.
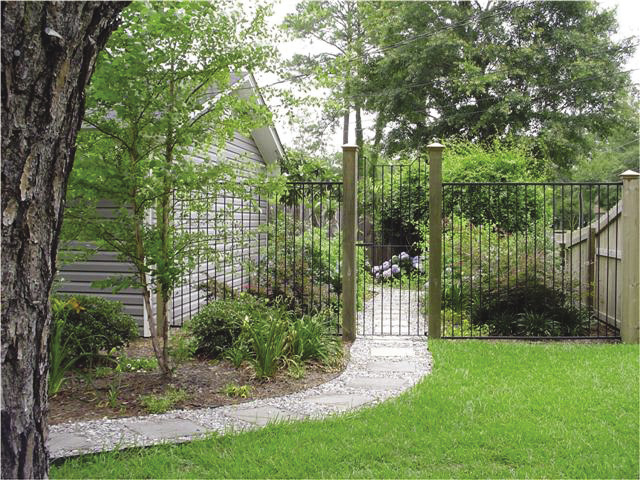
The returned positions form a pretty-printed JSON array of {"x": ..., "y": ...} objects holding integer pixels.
[{"x": 165, "y": 88}]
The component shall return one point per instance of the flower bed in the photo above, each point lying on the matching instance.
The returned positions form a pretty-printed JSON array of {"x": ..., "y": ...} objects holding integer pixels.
[{"x": 397, "y": 266}]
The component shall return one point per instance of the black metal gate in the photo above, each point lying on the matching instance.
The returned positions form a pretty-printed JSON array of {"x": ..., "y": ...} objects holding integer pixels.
[{"x": 392, "y": 282}]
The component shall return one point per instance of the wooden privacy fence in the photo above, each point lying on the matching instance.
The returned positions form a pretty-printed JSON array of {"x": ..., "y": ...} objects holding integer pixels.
[{"x": 593, "y": 255}]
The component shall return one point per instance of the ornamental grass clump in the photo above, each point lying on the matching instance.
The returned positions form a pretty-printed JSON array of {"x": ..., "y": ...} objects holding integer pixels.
[{"x": 396, "y": 266}]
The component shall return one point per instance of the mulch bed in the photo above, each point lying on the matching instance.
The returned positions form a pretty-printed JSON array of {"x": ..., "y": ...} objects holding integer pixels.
[{"x": 84, "y": 397}]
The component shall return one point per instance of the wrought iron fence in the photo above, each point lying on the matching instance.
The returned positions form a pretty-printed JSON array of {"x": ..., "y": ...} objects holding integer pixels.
[
  {"x": 287, "y": 251},
  {"x": 530, "y": 260}
]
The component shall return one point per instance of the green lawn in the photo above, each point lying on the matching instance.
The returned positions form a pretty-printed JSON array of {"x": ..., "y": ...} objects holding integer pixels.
[{"x": 487, "y": 410}]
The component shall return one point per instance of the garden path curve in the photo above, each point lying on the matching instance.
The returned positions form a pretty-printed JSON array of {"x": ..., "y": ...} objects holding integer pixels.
[{"x": 379, "y": 368}]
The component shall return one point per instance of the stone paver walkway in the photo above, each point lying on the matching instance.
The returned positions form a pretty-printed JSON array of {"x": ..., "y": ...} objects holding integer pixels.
[
  {"x": 392, "y": 311},
  {"x": 379, "y": 368}
]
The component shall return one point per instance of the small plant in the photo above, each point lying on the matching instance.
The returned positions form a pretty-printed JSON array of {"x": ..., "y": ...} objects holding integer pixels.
[
  {"x": 62, "y": 354},
  {"x": 240, "y": 391},
  {"x": 114, "y": 391},
  {"x": 102, "y": 372},
  {"x": 182, "y": 347},
  {"x": 397, "y": 266},
  {"x": 296, "y": 369},
  {"x": 456, "y": 323},
  {"x": 164, "y": 402},
  {"x": 268, "y": 343},
  {"x": 309, "y": 337},
  {"x": 131, "y": 364},
  {"x": 237, "y": 354}
]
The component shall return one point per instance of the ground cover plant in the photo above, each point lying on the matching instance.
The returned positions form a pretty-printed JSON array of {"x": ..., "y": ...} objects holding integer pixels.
[{"x": 488, "y": 410}]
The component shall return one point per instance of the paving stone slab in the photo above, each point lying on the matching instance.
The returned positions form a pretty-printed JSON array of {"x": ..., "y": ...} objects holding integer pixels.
[
  {"x": 68, "y": 441},
  {"x": 341, "y": 401},
  {"x": 262, "y": 415},
  {"x": 165, "y": 428},
  {"x": 392, "y": 366},
  {"x": 376, "y": 383},
  {"x": 392, "y": 352}
]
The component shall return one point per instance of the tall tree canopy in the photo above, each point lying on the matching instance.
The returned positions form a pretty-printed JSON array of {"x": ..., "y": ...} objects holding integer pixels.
[
  {"x": 545, "y": 70},
  {"x": 338, "y": 25},
  {"x": 48, "y": 54}
]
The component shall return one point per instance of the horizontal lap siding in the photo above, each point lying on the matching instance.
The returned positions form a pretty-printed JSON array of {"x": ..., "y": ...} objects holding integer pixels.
[
  {"x": 76, "y": 279},
  {"x": 242, "y": 153}
]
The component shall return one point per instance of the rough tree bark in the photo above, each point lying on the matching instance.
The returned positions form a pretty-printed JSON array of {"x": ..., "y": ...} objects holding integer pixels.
[{"x": 48, "y": 54}]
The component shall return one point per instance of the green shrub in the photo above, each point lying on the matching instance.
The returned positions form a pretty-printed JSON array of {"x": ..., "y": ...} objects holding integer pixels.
[
  {"x": 479, "y": 260},
  {"x": 531, "y": 309},
  {"x": 401, "y": 199},
  {"x": 219, "y": 323},
  {"x": 301, "y": 267},
  {"x": 511, "y": 210},
  {"x": 94, "y": 324}
]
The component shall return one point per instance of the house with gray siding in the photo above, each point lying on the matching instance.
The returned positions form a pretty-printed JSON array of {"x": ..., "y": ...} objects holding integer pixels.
[{"x": 249, "y": 155}]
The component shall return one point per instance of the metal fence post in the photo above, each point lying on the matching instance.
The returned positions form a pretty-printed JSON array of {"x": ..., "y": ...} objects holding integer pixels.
[
  {"x": 435, "y": 238},
  {"x": 630, "y": 327},
  {"x": 349, "y": 232}
]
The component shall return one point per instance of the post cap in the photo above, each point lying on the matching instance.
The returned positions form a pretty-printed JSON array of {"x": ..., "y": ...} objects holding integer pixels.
[
  {"x": 349, "y": 146},
  {"x": 629, "y": 175},
  {"x": 435, "y": 146}
]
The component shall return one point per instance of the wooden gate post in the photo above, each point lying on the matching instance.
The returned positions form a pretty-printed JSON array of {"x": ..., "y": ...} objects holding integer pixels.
[
  {"x": 349, "y": 232},
  {"x": 435, "y": 238},
  {"x": 630, "y": 327}
]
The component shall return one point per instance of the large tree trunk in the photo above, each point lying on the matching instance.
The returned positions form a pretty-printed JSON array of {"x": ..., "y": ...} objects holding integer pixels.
[{"x": 48, "y": 55}]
